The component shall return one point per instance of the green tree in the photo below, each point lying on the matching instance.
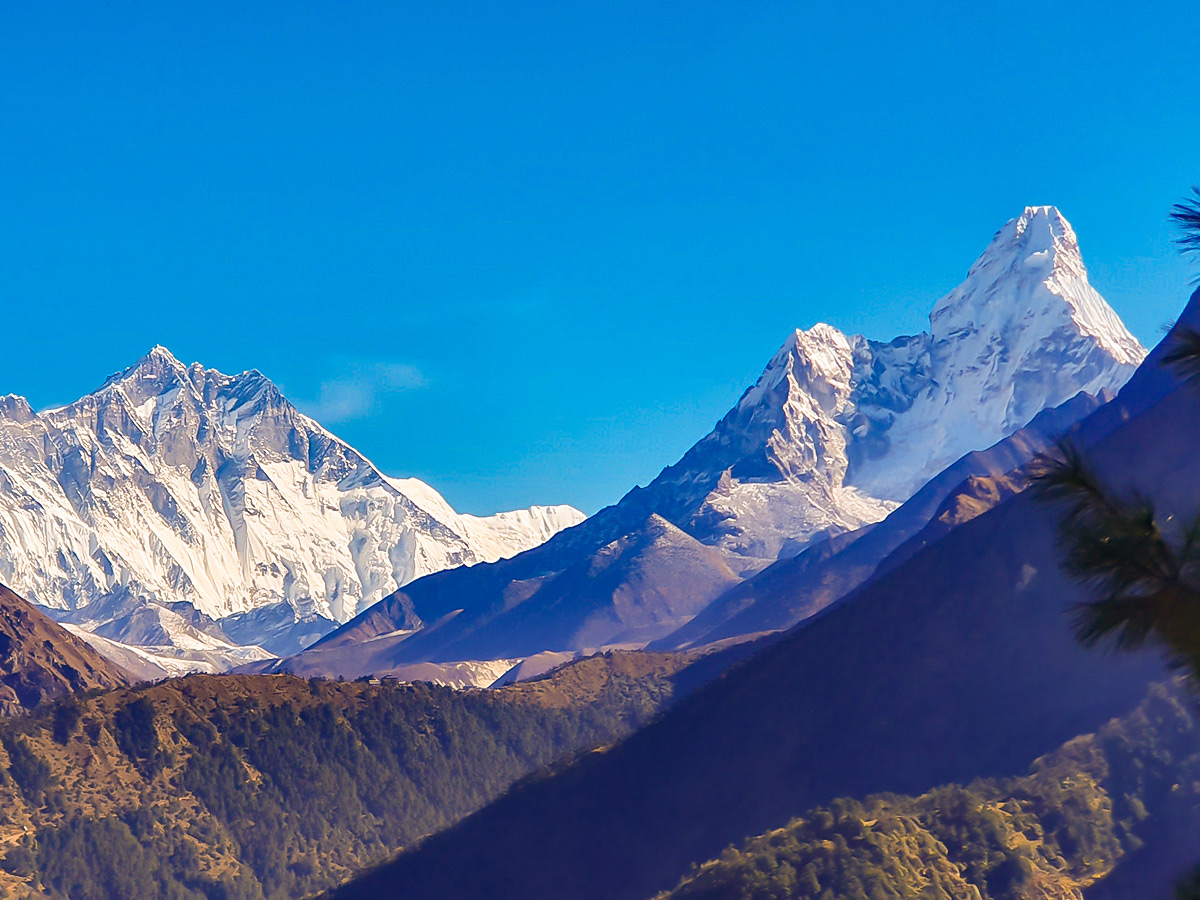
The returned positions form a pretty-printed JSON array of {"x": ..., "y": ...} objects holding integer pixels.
[{"x": 1143, "y": 570}]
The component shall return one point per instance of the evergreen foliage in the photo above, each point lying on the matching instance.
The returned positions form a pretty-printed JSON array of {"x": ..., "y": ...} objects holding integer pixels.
[
  {"x": 137, "y": 737},
  {"x": 1144, "y": 575},
  {"x": 1186, "y": 216},
  {"x": 1145, "y": 582},
  {"x": 30, "y": 773},
  {"x": 272, "y": 787},
  {"x": 1079, "y": 815}
]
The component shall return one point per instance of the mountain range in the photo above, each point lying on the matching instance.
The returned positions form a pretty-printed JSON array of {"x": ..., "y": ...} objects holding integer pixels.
[
  {"x": 192, "y": 512},
  {"x": 181, "y": 518},
  {"x": 957, "y": 661},
  {"x": 836, "y": 433},
  {"x": 844, "y": 604}
]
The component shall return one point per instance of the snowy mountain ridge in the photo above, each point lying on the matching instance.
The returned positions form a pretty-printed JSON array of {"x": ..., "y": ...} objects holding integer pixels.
[
  {"x": 840, "y": 429},
  {"x": 180, "y": 483},
  {"x": 836, "y": 432}
]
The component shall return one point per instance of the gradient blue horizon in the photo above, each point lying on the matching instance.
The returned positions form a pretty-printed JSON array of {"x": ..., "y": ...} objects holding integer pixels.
[{"x": 530, "y": 253}]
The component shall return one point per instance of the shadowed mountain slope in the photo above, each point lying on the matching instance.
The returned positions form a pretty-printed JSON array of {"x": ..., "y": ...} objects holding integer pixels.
[
  {"x": 629, "y": 591},
  {"x": 1115, "y": 814},
  {"x": 836, "y": 432},
  {"x": 41, "y": 660},
  {"x": 957, "y": 662}
]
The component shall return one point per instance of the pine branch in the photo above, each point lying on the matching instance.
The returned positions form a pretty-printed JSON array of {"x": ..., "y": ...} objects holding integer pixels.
[
  {"x": 1186, "y": 217},
  {"x": 1183, "y": 353},
  {"x": 1063, "y": 475}
]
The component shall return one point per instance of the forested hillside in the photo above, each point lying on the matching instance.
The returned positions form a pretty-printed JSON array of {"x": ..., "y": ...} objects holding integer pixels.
[
  {"x": 226, "y": 787},
  {"x": 1114, "y": 814}
]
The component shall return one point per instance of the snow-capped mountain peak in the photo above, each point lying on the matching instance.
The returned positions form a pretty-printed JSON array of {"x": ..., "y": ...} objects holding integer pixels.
[
  {"x": 153, "y": 373},
  {"x": 834, "y": 433},
  {"x": 838, "y": 429},
  {"x": 811, "y": 361},
  {"x": 179, "y": 483},
  {"x": 1025, "y": 330},
  {"x": 16, "y": 408},
  {"x": 1032, "y": 275}
]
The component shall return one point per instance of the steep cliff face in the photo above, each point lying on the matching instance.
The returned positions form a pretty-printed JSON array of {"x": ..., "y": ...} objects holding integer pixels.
[{"x": 839, "y": 429}]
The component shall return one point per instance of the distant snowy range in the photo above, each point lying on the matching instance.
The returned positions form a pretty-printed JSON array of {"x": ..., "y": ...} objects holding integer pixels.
[
  {"x": 199, "y": 520},
  {"x": 179, "y": 519}
]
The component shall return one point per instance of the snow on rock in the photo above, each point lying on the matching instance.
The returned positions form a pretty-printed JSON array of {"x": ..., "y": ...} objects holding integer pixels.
[
  {"x": 839, "y": 429},
  {"x": 471, "y": 673},
  {"x": 535, "y": 666},
  {"x": 835, "y": 433},
  {"x": 176, "y": 483},
  {"x": 496, "y": 536},
  {"x": 151, "y": 663},
  {"x": 1024, "y": 331}
]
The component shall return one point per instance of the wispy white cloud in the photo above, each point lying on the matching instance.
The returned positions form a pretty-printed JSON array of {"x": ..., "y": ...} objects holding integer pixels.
[{"x": 357, "y": 391}]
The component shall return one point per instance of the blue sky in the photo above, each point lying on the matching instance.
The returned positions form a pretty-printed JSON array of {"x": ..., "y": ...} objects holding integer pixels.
[{"x": 531, "y": 252}]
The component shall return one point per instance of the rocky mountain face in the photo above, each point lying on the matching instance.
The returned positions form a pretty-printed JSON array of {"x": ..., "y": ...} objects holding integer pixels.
[
  {"x": 839, "y": 429},
  {"x": 792, "y": 589},
  {"x": 958, "y": 661},
  {"x": 177, "y": 484},
  {"x": 835, "y": 434},
  {"x": 39, "y": 660}
]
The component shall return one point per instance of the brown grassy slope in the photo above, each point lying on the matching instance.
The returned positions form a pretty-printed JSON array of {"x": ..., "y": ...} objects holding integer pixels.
[{"x": 41, "y": 660}]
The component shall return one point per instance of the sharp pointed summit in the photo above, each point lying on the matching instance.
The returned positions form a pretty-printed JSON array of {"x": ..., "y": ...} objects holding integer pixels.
[
  {"x": 159, "y": 366},
  {"x": 835, "y": 434},
  {"x": 839, "y": 429},
  {"x": 1033, "y": 271},
  {"x": 1024, "y": 331}
]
